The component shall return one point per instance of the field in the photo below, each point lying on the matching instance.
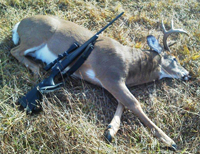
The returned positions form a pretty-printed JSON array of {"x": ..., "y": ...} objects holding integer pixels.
[{"x": 75, "y": 117}]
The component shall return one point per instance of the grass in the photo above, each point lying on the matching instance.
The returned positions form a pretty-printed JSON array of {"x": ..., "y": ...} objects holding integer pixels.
[{"x": 75, "y": 117}]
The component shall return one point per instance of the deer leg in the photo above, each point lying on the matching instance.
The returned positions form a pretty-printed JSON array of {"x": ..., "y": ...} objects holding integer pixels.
[
  {"x": 18, "y": 53},
  {"x": 121, "y": 93},
  {"x": 113, "y": 127}
]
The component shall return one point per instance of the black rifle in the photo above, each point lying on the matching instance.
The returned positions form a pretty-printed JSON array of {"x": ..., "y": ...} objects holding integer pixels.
[{"x": 31, "y": 100}]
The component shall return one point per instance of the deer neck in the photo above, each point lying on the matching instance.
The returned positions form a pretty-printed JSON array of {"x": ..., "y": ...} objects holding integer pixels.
[{"x": 144, "y": 66}]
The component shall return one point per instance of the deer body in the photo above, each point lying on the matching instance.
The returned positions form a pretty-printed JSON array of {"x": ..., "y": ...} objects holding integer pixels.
[{"x": 110, "y": 65}]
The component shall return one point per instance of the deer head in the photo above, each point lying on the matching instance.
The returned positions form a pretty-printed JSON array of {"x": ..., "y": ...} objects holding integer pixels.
[{"x": 170, "y": 67}]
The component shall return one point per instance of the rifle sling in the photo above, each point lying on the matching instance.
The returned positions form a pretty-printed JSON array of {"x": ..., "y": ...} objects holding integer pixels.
[
  {"x": 75, "y": 66},
  {"x": 79, "y": 61}
]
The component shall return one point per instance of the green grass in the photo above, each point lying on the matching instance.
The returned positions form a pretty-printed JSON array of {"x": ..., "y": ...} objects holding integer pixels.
[{"x": 75, "y": 117}]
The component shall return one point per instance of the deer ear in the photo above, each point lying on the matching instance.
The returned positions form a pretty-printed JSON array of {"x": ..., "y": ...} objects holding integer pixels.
[{"x": 154, "y": 44}]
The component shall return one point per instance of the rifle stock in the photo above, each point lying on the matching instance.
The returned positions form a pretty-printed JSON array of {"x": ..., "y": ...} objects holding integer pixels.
[{"x": 30, "y": 100}]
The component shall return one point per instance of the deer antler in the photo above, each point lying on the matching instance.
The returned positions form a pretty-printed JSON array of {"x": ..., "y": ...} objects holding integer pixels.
[{"x": 167, "y": 33}]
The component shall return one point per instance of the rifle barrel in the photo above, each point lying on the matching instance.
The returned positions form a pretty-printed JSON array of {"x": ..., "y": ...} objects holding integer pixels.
[{"x": 109, "y": 23}]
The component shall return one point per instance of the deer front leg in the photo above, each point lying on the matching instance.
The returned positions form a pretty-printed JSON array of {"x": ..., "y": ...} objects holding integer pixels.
[
  {"x": 113, "y": 127},
  {"x": 18, "y": 53},
  {"x": 121, "y": 93}
]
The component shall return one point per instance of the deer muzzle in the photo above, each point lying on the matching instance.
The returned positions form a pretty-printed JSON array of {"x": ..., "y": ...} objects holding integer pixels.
[{"x": 186, "y": 77}]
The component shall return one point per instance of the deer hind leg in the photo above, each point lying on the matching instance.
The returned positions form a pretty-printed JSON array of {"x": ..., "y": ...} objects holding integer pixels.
[
  {"x": 113, "y": 127},
  {"x": 122, "y": 94},
  {"x": 18, "y": 53}
]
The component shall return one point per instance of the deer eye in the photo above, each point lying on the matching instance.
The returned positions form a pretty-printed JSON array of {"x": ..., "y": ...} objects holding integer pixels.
[{"x": 174, "y": 59}]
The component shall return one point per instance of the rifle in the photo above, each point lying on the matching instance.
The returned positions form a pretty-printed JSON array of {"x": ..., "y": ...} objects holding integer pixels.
[{"x": 31, "y": 100}]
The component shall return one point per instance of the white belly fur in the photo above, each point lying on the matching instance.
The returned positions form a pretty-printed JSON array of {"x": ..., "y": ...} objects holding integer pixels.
[
  {"x": 42, "y": 53},
  {"x": 91, "y": 74}
]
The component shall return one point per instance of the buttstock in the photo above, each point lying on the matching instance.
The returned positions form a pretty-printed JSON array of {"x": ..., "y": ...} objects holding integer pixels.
[{"x": 31, "y": 100}]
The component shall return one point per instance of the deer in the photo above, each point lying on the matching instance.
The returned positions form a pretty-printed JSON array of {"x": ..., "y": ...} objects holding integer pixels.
[{"x": 111, "y": 65}]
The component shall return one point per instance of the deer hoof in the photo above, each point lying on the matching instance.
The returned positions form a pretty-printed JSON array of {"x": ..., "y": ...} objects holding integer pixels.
[
  {"x": 174, "y": 147},
  {"x": 108, "y": 136}
]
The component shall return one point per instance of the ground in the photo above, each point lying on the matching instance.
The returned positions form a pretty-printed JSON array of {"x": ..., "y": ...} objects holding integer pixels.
[{"x": 74, "y": 118}]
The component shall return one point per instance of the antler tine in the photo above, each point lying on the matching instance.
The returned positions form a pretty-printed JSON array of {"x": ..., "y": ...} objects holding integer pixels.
[
  {"x": 167, "y": 33},
  {"x": 172, "y": 24},
  {"x": 163, "y": 26}
]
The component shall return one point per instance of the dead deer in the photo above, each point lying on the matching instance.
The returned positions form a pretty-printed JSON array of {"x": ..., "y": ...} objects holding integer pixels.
[{"x": 111, "y": 64}]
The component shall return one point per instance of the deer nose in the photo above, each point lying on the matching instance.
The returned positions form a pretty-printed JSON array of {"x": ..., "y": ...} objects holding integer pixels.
[{"x": 186, "y": 77}]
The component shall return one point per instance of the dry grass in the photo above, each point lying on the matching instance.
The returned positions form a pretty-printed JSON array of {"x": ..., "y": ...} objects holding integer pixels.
[{"x": 75, "y": 117}]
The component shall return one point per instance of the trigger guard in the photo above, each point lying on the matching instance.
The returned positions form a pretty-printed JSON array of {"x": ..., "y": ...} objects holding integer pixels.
[{"x": 47, "y": 89}]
